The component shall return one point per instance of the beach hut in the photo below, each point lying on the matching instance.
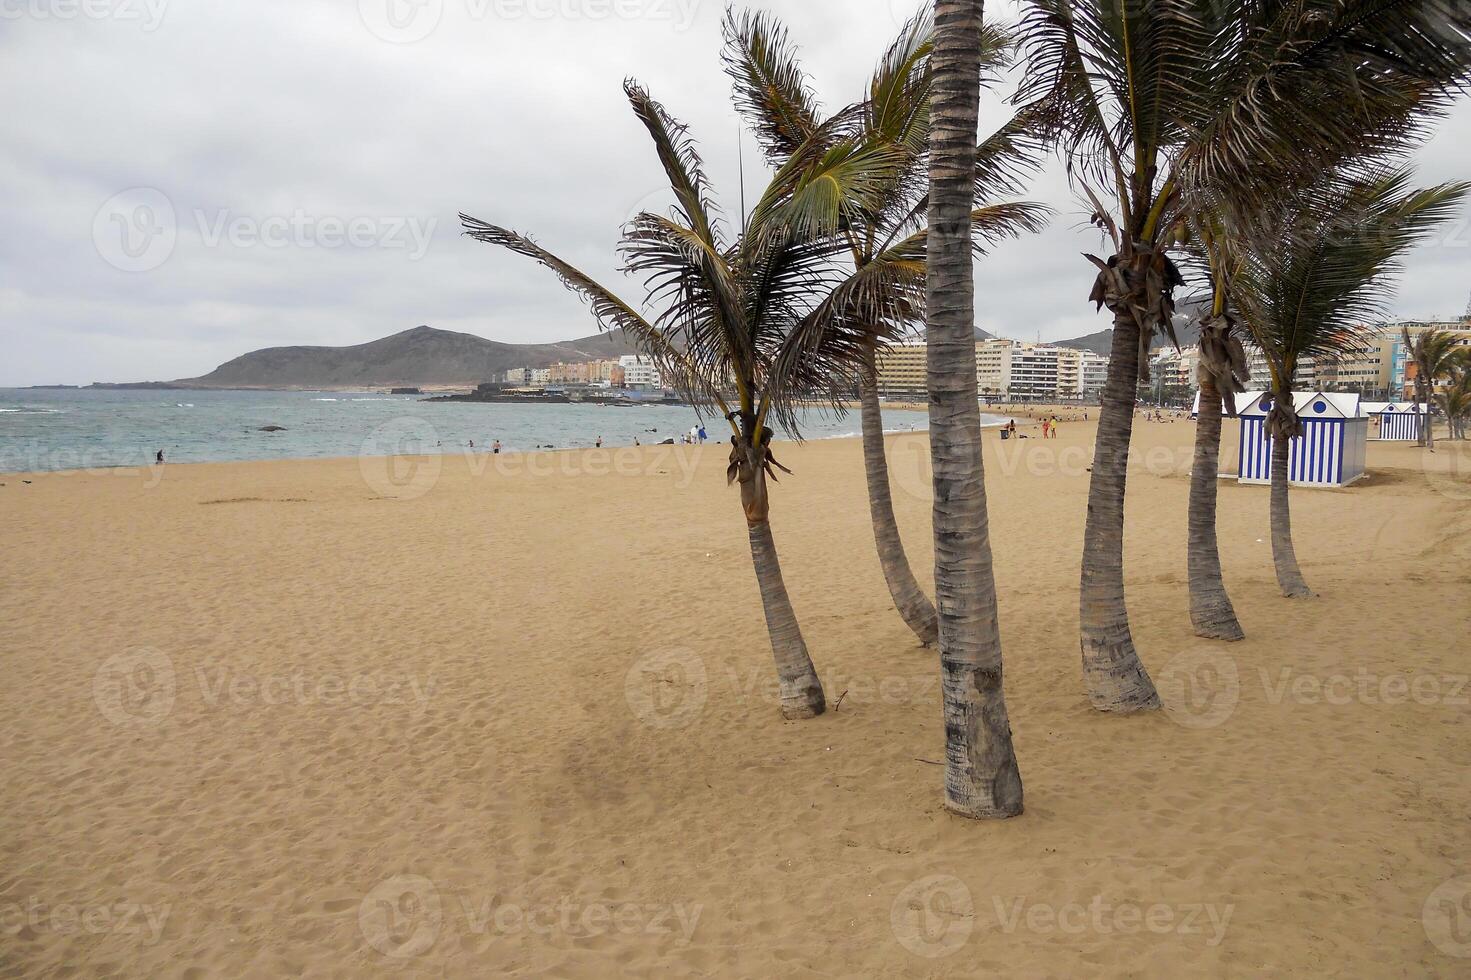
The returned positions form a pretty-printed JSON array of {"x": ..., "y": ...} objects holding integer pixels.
[
  {"x": 1398, "y": 421},
  {"x": 1329, "y": 452}
]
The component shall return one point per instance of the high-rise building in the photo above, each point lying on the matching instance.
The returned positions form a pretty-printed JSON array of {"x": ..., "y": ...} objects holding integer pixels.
[
  {"x": 901, "y": 371},
  {"x": 1005, "y": 369},
  {"x": 640, "y": 372}
]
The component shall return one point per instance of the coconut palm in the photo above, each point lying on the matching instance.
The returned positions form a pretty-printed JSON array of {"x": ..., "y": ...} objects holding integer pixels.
[
  {"x": 1455, "y": 399},
  {"x": 1310, "y": 274},
  {"x": 750, "y": 326},
  {"x": 1168, "y": 108},
  {"x": 774, "y": 95},
  {"x": 1433, "y": 353},
  {"x": 981, "y": 774}
]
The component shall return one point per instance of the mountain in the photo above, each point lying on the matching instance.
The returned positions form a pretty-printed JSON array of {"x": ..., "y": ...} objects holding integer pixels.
[
  {"x": 421, "y": 356},
  {"x": 1187, "y": 329}
]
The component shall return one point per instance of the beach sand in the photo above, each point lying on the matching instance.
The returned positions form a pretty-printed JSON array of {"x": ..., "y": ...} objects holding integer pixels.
[{"x": 478, "y": 718}]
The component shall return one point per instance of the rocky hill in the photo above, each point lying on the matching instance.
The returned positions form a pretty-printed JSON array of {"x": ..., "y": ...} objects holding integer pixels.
[{"x": 421, "y": 356}]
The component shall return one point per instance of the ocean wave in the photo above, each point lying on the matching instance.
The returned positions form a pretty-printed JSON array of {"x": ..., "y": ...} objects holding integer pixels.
[{"x": 30, "y": 410}]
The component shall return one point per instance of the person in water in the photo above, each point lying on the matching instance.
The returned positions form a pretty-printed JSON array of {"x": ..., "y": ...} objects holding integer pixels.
[
  {"x": 496, "y": 447},
  {"x": 159, "y": 457}
]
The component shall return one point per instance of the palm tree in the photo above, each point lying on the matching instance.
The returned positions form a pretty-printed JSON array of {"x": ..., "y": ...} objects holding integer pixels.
[
  {"x": 1168, "y": 109},
  {"x": 1455, "y": 400},
  {"x": 750, "y": 327},
  {"x": 1222, "y": 374},
  {"x": 1311, "y": 273},
  {"x": 887, "y": 245},
  {"x": 981, "y": 774},
  {"x": 1433, "y": 352}
]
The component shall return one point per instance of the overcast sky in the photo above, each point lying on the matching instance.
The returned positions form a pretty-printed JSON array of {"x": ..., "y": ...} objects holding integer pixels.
[{"x": 184, "y": 182}]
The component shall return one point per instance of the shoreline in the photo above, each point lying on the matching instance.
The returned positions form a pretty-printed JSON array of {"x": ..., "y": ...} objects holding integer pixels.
[{"x": 462, "y": 452}]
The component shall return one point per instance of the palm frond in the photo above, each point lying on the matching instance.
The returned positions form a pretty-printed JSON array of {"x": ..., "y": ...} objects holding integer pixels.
[
  {"x": 609, "y": 311},
  {"x": 772, "y": 93},
  {"x": 1319, "y": 268},
  {"x": 681, "y": 162}
]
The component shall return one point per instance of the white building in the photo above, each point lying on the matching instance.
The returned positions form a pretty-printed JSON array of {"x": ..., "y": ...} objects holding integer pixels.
[
  {"x": 640, "y": 372},
  {"x": 1261, "y": 374},
  {"x": 1004, "y": 369}
]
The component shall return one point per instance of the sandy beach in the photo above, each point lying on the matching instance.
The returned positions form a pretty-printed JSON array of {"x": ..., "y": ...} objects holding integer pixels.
[{"x": 475, "y": 716}]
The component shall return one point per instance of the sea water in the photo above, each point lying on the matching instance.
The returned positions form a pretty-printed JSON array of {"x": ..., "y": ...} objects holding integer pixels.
[{"x": 67, "y": 429}]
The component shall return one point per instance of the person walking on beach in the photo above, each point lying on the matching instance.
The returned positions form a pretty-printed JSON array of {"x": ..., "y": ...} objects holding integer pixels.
[
  {"x": 1054, "y": 426},
  {"x": 159, "y": 457},
  {"x": 496, "y": 447},
  {"x": 1045, "y": 426},
  {"x": 599, "y": 443},
  {"x": 703, "y": 437}
]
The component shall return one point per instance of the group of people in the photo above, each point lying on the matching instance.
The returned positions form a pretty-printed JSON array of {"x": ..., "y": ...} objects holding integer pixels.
[
  {"x": 1049, "y": 428},
  {"x": 694, "y": 437}
]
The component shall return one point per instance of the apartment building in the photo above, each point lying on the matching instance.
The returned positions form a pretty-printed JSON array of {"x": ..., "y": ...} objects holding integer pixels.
[
  {"x": 1381, "y": 365},
  {"x": 640, "y": 372},
  {"x": 1005, "y": 369},
  {"x": 901, "y": 371},
  {"x": 1173, "y": 368}
]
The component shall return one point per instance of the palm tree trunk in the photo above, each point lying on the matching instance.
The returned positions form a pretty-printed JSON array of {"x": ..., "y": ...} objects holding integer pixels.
[
  {"x": 908, "y": 597},
  {"x": 1427, "y": 425},
  {"x": 981, "y": 775},
  {"x": 1289, "y": 576},
  {"x": 1112, "y": 674},
  {"x": 1210, "y": 606},
  {"x": 801, "y": 691}
]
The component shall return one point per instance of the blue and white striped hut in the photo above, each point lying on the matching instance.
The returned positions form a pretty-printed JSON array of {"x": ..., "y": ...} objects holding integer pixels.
[
  {"x": 1329, "y": 452},
  {"x": 1398, "y": 421}
]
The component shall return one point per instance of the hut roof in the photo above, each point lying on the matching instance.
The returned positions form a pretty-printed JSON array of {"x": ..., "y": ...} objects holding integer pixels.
[{"x": 1309, "y": 404}]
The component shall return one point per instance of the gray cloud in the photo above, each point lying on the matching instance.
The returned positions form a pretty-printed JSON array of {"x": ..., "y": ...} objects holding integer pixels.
[{"x": 314, "y": 170}]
